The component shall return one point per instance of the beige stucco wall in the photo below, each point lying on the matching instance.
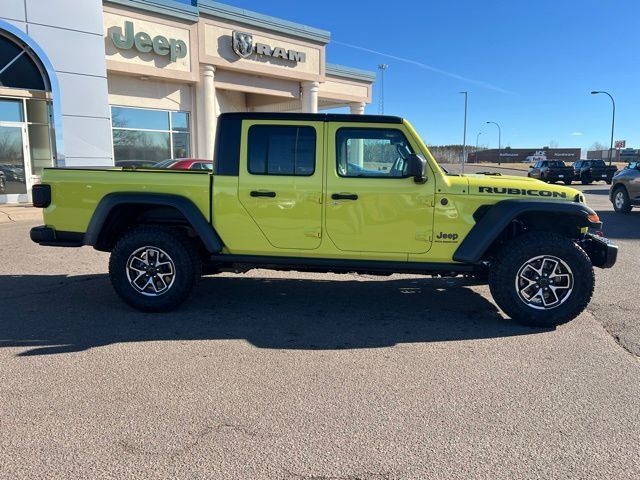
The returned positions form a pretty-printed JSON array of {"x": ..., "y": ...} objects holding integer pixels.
[
  {"x": 133, "y": 92},
  {"x": 216, "y": 48},
  {"x": 336, "y": 88}
]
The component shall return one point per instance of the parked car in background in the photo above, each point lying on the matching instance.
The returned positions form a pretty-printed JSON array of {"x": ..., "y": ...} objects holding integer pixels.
[
  {"x": 625, "y": 188},
  {"x": 587, "y": 171},
  {"x": 551, "y": 171},
  {"x": 192, "y": 164},
  {"x": 3, "y": 182},
  {"x": 135, "y": 163}
]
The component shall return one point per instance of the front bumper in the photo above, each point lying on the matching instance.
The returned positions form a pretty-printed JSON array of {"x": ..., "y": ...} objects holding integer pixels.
[
  {"x": 49, "y": 237},
  {"x": 602, "y": 251}
]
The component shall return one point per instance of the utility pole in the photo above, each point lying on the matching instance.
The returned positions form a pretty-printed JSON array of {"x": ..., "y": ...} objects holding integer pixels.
[
  {"x": 382, "y": 67},
  {"x": 464, "y": 135}
]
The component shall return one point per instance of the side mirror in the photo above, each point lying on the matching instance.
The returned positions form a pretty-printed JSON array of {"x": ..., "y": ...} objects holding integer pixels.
[{"x": 417, "y": 168}]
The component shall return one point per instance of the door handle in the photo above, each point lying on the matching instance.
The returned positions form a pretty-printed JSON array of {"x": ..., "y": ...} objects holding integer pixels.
[
  {"x": 344, "y": 196},
  {"x": 262, "y": 193}
]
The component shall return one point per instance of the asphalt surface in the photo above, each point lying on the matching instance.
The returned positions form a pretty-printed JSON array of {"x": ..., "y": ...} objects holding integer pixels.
[{"x": 309, "y": 376}]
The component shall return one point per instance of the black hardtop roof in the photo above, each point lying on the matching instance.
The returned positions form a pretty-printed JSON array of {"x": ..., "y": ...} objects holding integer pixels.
[{"x": 313, "y": 117}]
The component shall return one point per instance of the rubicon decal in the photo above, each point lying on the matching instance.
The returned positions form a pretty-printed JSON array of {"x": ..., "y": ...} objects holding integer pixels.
[{"x": 521, "y": 191}]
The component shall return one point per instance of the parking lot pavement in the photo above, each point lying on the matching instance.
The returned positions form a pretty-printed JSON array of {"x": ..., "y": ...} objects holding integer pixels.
[{"x": 310, "y": 376}]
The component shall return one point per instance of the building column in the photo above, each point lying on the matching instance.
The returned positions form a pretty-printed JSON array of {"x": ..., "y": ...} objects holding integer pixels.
[
  {"x": 206, "y": 112},
  {"x": 356, "y": 152},
  {"x": 357, "y": 108},
  {"x": 310, "y": 96}
]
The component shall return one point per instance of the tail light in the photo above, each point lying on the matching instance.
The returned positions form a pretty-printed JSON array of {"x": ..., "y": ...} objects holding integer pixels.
[{"x": 41, "y": 195}]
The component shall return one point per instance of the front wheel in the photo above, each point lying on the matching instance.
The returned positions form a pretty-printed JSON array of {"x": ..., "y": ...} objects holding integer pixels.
[
  {"x": 567, "y": 182},
  {"x": 154, "y": 269},
  {"x": 621, "y": 202},
  {"x": 542, "y": 279}
]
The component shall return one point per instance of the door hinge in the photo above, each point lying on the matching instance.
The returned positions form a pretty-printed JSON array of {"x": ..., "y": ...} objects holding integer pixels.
[
  {"x": 315, "y": 197},
  {"x": 423, "y": 235},
  {"x": 426, "y": 200},
  {"x": 314, "y": 232}
]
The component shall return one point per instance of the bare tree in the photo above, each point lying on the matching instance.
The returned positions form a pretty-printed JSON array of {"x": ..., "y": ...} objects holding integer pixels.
[{"x": 597, "y": 146}]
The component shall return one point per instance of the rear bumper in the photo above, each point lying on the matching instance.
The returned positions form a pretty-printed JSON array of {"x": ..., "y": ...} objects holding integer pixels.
[
  {"x": 47, "y": 236},
  {"x": 602, "y": 251}
]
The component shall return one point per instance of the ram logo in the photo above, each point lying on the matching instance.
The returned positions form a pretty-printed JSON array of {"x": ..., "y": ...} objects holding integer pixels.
[{"x": 242, "y": 44}]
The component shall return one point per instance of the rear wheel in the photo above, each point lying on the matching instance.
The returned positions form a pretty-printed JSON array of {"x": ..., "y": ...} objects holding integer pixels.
[
  {"x": 542, "y": 279},
  {"x": 154, "y": 269},
  {"x": 567, "y": 182},
  {"x": 621, "y": 202}
]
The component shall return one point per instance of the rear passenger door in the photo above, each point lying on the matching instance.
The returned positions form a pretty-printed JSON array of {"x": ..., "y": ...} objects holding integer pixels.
[{"x": 280, "y": 180}]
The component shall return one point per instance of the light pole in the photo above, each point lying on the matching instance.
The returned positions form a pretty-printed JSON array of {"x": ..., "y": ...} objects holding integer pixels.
[
  {"x": 464, "y": 135},
  {"x": 382, "y": 67},
  {"x": 477, "y": 137},
  {"x": 499, "y": 140},
  {"x": 613, "y": 119}
]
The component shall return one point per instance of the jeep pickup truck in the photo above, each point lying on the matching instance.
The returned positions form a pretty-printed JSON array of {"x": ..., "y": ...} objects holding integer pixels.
[
  {"x": 551, "y": 171},
  {"x": 328, "y": 193},
  {"x": 588, "y": 171}
]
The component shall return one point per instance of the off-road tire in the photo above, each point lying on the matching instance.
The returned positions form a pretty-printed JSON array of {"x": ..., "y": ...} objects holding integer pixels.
[
  {"x": 624, "y": 205},
  {"x": 516, "y": 253},
  {"x": 181, "y": 252},
  {"x": 585, "y": 181}
]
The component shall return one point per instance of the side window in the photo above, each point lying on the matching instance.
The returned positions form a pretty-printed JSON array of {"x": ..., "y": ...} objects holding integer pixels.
[
  {"x": 281, "y": 150},
  {"x": 536, "y": 165},
  {"x": 372, "y": 152}
]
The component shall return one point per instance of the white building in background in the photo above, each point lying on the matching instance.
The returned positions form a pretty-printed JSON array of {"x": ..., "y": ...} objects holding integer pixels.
[{"x": 92, "y": 83}]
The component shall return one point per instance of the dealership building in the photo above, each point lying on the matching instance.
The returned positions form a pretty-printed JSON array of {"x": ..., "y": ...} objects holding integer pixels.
[
  {"x": 518, "y": 155},
  {"x": 103, "y": 83}
]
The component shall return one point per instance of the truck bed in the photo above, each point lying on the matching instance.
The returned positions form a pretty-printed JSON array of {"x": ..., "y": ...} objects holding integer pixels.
[{"x": 76, "y": 192}]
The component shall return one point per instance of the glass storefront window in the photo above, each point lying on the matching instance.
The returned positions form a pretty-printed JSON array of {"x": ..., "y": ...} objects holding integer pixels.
[
  {"x": 11, "y": 111},
  {"x": 149, "y": 135}
]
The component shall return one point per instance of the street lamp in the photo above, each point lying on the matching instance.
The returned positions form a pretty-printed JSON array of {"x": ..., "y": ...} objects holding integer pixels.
[
  {"x": 477, "y": 137},
  {"x": 613, "y": 119},
  {"x": 464, "y": 135},
  {"x": 499, "y": 140}
]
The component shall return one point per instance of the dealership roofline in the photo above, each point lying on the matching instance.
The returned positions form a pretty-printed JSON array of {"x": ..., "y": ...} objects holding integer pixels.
[
  {"x": 350, "y": 72},
  {"x": 208, "y": 7}
]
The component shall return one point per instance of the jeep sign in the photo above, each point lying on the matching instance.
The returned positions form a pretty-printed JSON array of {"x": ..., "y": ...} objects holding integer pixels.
[
  {"x": 243, "y": 46},
  {"x": 143, "y": 42}
]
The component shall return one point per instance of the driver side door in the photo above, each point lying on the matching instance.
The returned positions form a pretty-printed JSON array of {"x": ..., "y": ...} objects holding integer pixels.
[{"x": 372, "y": 204}]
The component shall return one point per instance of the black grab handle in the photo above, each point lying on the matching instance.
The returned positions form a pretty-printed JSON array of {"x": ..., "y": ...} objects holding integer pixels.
[
  {"x": 256, "y": 193},
  {"x": 344, "y": 196}
]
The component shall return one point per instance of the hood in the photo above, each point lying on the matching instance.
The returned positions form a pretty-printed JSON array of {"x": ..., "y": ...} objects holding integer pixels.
[{"x": 512, "y": 186}]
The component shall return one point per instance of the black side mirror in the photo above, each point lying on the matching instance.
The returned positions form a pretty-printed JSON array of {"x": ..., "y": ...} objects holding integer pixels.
[{"x": 417, "y": 168}]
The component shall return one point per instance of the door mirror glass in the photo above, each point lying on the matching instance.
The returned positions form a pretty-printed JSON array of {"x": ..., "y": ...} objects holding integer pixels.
[{"x": 417, "y": 168}]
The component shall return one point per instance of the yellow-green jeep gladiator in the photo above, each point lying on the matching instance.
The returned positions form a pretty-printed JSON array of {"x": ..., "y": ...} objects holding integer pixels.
[{"x": 329, "y": 193}]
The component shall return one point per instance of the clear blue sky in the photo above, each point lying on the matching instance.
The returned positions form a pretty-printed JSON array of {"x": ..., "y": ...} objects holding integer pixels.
[{"x": 528, "y": 65}]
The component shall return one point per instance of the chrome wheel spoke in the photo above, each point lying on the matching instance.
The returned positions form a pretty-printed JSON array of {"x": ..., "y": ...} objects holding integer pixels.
[
  {"x": 150, "y": 271},
  {"x": 544, "y": 282}
]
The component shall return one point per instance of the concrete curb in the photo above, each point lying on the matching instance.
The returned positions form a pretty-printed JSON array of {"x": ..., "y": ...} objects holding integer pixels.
[{"x": 19, "y": 213}]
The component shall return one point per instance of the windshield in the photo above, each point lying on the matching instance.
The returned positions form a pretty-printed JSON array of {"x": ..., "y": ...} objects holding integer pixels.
[{"x": 556, "y": 163}]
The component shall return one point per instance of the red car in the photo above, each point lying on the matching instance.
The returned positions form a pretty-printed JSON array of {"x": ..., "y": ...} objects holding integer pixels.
[{"x": 191, "y": 164}]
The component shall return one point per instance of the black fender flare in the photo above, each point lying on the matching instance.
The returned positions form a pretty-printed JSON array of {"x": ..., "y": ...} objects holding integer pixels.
[
  {"x": 499, "y": 216},
  {"x": 186, "y": 207}
]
